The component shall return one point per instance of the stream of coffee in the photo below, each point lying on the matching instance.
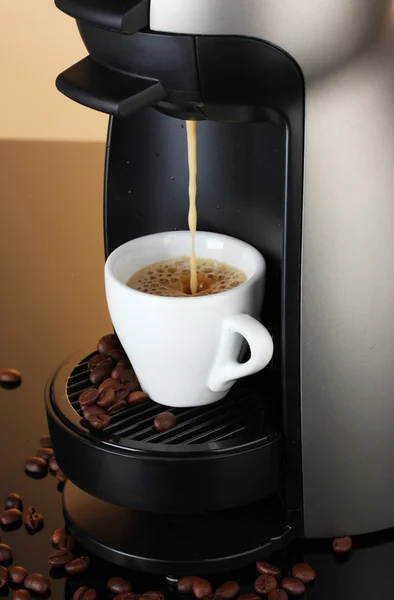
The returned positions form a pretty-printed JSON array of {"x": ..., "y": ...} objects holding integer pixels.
[{"x": 191, "y": 130}]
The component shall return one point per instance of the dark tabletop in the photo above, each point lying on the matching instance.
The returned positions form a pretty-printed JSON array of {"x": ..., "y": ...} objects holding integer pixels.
[{"x": 52, "y": 304}]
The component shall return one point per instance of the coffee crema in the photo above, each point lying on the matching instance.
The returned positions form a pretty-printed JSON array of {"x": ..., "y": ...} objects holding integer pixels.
[{"x": 171, "y": 278}]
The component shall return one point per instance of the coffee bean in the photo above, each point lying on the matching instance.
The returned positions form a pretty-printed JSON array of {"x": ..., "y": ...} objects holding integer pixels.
[
  {"x": 36, "y": 466},
  {"x": 126, "y": 596},
  {"x": 342, "y": 545},
  {"x": 228, "y": 590},
  {"x": 293, "y": 586},
  {"x": 110, "y": 383},
  {"x": 53, "y": 466},
  {"x": 117, "y": 372},
  {"x": 201, "y": 587},
  {"x": 92, "y": 410},
  {"x": 128, "y": 376},
  {"x": 265, "y": 583},
  {"x": 10, "y": 516},
  {"x": 21, "y": 595},
  {"x": 116, "y": 585},
  {"x": 88, "y": 397},
  {"x": 10, "y": 376},
  {"x": 136, "y": 398},
  {"x": 33, "y": 520},
  {"x": 124, "y": 362},
  {"x": 152, "y": 596},
  {"x": 185, "y": 584},
  {"x": 250, "y": 597},
  {"x": 5, "y": 553},
  {"x": 121, "y": 393},
  {"x": 85, "y": 593},
  {"x": 99, "y": 421},
  {"x": 45, "y": 453},
  {"x": 14, "y": 501},
  {"x": 78, "y": 565},
  {"x": 304, "y": 572},
  {"x": 63, "y": 539},
  {"x": 60, "y": 476},
  {"x": 164, "y": 421},
  {"x": 98, "y": 360},
  {"x": 117, "y": 354},
  {"x": 277, "y": 595},
  {"x": 117, "y": 406},
  {"x": 17, "y": 574},
  {"x": 3, "y": 577},
  {"x": 266, "y": 569},
  {"x": 37, "y": 583},
  {"x": 58, "y": 535},
  {"x": 100, "y": 374},
  {"x": 106, "y": 398},
  {"x": 45, "y": 441},
  {"x": 58, "y": 558},
  {"x": 108, "y": 342}
]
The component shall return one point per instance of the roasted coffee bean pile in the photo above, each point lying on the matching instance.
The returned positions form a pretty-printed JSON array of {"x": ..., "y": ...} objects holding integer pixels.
[{"x": 114, "y": 387}]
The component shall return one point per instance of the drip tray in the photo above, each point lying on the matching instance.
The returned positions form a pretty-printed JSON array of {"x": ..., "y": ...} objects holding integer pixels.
[{"x": 217, "y": 457}]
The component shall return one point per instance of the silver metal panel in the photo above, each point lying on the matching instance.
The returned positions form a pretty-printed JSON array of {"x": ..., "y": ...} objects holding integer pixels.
[{"x": 345, "y": 50}]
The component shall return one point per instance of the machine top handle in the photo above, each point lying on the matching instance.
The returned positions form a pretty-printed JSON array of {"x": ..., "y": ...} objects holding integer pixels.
[{"x": 127, "y": 16}]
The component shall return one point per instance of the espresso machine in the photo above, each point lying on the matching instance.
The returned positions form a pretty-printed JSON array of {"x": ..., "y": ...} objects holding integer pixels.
[{"x": 294, "y": 103}]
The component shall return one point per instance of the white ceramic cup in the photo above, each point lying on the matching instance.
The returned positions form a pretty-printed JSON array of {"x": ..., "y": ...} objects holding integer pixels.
[{"x": 185, "y": 351}]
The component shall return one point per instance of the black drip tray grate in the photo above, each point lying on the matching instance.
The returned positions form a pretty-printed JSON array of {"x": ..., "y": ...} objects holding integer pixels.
[{"x": 242, "y": 417}]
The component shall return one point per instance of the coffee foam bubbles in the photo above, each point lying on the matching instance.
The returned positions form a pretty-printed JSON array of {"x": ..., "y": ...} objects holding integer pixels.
[{"x": 172, "y": 278}]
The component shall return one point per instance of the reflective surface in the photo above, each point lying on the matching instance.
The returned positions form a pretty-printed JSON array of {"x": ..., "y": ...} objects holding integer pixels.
[{"x": 52, "y": 301}]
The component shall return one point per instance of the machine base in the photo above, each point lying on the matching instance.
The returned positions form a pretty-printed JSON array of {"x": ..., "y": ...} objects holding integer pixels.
[{"x": 172, "y": 544}]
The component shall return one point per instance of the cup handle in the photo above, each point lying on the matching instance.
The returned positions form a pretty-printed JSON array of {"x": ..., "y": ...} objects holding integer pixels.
[{"x": 226, "y": 369}]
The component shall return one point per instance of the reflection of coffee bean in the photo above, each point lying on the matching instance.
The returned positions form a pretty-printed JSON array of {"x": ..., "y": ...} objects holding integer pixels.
[
  {"x": 5, "y": 553},
  {"x": 53, "y": 464},
  {"x": 304, "y": 572},
  {"x": 60, "y": 476},
  {"x": 85, "y": 593},
  {"x": 98, "y": 360},
  {"x": 37, "y": 583},
  {"x": 164, "y": 421},
  {"x": 342, "y": 545},
  {"x": 266, "y": 569},
  {"x": 116, "y": 585},
  {"x": 117, "y": 406},
  {"x": 293, "y": 585},
  {"x": 10, "y": 376},
  {"x": 126, "y": 596},
  {"x": 88, "y": 397},
  {"x": 100, "y": 374},
  {"x": 33, "y": 520},
  {"x": 17, "y": 574},
  {"x": 14, "y": 501},
  {"x": 10, "y": 516},
  {"x": 228, "y": 590},
  {"x": 78, "y": 565},
  {"x": 106, "y": 398},
  {"x": 136, "y": 398},
  {"x": 45, "y": 453},
  {"x": 21, "y": 595},
  {"x": 201, "y": 588},
  {"x": 277, "y": 595},
  {"x": 58, "y": 558},
  {"x": 185, "y": 584},
  {"x": 99, "y": 421},
  {"x": 3, "y": 577},
  {"x": 265, "y": 584},
  {"x": 36, "y": 466},
  {"x": 45, "y": 441},
  {"x": 108, "y": 342}
]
